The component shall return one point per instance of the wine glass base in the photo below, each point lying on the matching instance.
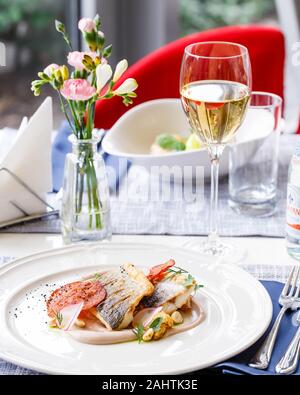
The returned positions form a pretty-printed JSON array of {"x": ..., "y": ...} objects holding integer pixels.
[{"x": 227, "y": 253}]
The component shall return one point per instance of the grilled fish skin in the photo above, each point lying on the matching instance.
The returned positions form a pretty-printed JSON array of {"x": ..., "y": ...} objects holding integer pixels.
[
  {"x": 125, "y": 287},
  {"x": 170, "y": 293}
]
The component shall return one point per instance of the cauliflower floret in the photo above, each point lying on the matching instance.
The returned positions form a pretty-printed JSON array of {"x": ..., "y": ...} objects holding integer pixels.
[{"x": 177, "y": 317}]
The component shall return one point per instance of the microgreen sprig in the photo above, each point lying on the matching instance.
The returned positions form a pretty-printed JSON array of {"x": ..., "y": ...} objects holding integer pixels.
[
  {"x": 174, "y": 271},
  {"x": 59, "y": 318},
  {"x": 155, "y": 324},
  {"x": 139, "y": 332},
  {"x": 140, "y": 329},
  {"x": 97, "y": 276},
  {"x": 198, "y": 286},
  {"x": 190, "y": 280}
]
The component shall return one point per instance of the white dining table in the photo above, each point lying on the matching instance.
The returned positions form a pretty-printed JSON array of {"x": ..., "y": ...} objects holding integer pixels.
[{"x": 259, "y": 250}]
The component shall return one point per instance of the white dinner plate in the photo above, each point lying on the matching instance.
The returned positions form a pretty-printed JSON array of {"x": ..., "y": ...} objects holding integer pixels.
[{"x": 237, "y": 310}]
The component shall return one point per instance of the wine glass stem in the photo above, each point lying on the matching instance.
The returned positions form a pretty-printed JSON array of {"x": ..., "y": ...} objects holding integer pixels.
[{"x": 213, "y": 223}]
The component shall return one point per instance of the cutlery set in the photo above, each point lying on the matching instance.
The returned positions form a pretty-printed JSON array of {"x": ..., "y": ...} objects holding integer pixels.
[{"x": 288, "y": 300}]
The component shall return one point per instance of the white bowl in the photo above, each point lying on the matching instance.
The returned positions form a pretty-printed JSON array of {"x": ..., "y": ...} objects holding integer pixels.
[{"x": 134, "y": 133}]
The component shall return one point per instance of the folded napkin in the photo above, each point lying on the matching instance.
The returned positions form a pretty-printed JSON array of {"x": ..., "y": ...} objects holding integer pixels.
[
  {"x": 239, "y": 364},
  {"x": 61, "y": 146},
  {"x": 26, "y": 159}
]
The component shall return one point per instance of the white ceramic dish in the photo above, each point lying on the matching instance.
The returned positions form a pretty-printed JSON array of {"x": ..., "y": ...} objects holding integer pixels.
[
  {"x": 134, "y": 133},
  {"x": 237, "y": 308}
]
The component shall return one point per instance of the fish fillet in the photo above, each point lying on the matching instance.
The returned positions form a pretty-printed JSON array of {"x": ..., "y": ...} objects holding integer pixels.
[
  {"x": 171, "y": 294},
  {"x": 125, "y": 287}
]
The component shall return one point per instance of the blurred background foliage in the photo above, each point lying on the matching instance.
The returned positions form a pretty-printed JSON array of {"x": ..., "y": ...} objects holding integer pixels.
[
  {"x": 31, "y": 41},
  {"x": 26, "y": 23},
  {"x": 197, "y": 15}
]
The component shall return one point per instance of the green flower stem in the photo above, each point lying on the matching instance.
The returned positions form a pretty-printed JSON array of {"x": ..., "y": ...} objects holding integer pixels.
[
  {"x": 89, "y": 188},
  {"x": 88, "y": 122},
  {"x": 80, "y": 109},
  {"x": 64, "y": 111},
  {"x": 90, "y": 118},
  {"x": 81, "y": 188},
  {"x": 94, "y": 204},
  {"x": 76, "y": 122},
  {"x": 94, "y": 78},
  {"x": 94, "y": 178},
  {"x": 96, "y": 200},
  {"x": 77, "y": 210}
]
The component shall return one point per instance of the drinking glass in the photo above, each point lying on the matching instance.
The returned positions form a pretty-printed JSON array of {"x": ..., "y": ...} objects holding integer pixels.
[
  {"x": 253, "y": 165},
  {"x": 215, "y": 86}
]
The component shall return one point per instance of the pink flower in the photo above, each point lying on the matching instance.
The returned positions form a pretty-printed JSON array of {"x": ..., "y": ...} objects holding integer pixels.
[
  {"x": 75, "y": 59},
  {"x": 77, "y": 89},
  {"x": 86, "y": 25},
  {"x": 50, "y": 69}
]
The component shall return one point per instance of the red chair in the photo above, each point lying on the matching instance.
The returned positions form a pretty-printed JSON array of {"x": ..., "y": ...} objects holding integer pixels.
[{"x": 158, "y": 73}]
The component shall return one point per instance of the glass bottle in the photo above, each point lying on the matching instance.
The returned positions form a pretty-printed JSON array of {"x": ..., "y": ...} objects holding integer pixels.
[{"x": 293, "y": 206}]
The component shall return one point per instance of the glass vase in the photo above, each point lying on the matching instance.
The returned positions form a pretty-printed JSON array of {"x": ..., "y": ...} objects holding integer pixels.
[{"x": 85, "y": 213}]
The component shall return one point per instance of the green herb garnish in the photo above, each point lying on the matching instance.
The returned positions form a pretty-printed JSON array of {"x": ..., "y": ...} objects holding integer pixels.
[
  {"x": 177, "y": 270},
  {"x": 189, "y": 281},
  {"x": 155, "y": 325},
  {"x": 97, "y": 276},
  {"x": 169, "y": 142},
  {"x": 139, "y": 332},
  {"x": 59, "y": 318},
  {"x": 174, "y": 271},
  {"x": 198, "y": 286}
]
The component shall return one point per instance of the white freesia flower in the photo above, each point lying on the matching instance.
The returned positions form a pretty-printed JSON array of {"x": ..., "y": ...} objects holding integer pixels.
[
  {"x": 103, "y": 74},
  {"x": 128, "y": 86},
  {"x": 120, "y": 69}
]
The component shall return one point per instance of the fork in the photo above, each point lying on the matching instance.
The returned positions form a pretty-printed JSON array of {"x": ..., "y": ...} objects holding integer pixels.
[
  {"x": 287, "y": 301},
  {"x": 289, "y": 362}
]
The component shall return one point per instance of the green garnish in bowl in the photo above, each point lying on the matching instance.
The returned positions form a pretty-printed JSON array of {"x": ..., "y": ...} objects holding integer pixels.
[{"x": 169, "y": 142}]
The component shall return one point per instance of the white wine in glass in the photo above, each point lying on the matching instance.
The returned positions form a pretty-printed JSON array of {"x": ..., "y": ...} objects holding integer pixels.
[
  {"x": 215, "y": 87},
  {"x": 215, "y": 109}
]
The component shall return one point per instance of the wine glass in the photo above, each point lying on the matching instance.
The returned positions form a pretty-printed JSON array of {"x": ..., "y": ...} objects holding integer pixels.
[{"x": 215, "y": 87}]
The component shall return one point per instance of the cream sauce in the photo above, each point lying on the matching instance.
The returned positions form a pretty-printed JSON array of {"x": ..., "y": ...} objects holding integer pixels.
[{"x": 95, "y": 333}]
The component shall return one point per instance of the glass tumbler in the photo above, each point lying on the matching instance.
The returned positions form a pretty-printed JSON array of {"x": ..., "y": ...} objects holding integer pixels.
[{"x": 253, "y": 161}]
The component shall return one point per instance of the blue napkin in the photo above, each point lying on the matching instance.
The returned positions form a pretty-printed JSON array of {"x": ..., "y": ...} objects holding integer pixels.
[
  {"x": 117, "y": 167},
  {"x": 239, "y": 364}
]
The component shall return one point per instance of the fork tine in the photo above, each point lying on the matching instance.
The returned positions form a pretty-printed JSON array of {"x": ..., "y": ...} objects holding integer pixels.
[
  {"x": 298, "y": 284},
  {"x": 288, "y": 282},
  {"x": 294, "y": 282}
]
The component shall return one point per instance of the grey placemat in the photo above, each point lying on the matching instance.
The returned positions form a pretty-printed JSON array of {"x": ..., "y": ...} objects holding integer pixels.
[
  {"x": 133, "y": 213},
  {"x": 261, "y": 272}
]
